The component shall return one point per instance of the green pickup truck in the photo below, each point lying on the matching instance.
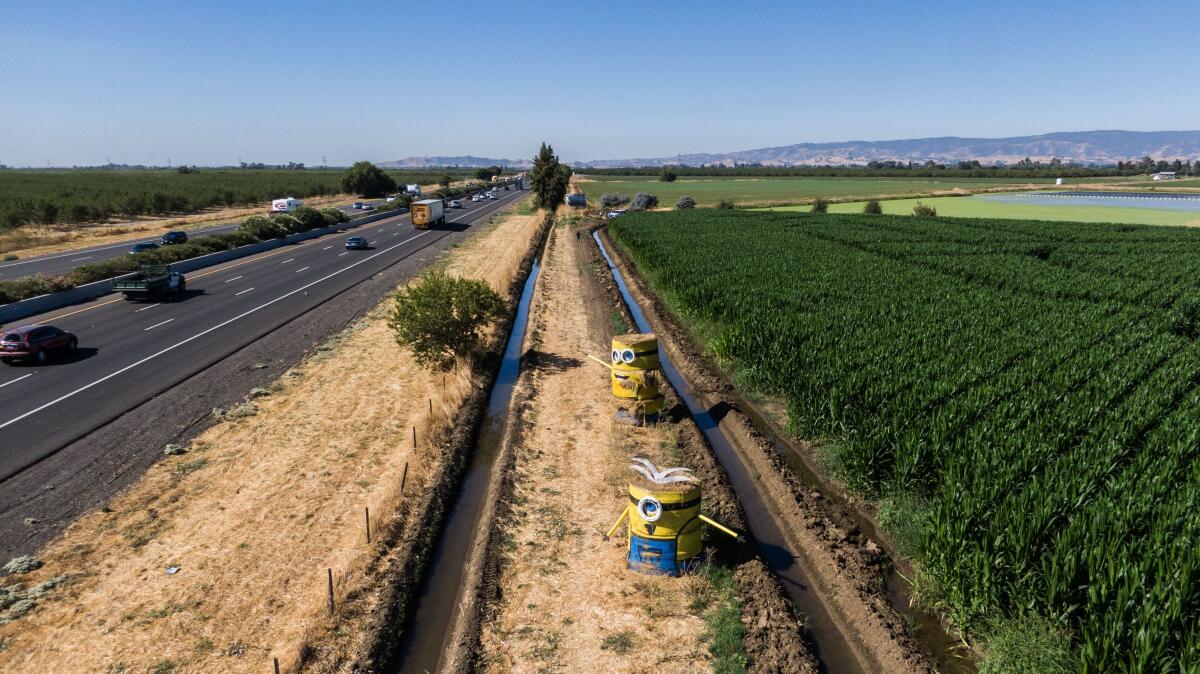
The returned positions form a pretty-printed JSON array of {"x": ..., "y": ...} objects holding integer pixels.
[{"x": 153, "y": 282}]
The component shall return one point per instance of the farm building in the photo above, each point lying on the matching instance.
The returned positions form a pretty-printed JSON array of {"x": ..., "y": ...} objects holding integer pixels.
[{"x": 1163, "y": 175}]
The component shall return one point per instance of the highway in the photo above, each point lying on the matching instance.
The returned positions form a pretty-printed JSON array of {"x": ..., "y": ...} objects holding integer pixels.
[
  {"x": 55, "y": 264},
  {"x": 130, "y": 352}
]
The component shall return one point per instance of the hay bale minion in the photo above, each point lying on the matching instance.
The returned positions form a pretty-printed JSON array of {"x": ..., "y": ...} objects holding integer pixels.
[
  {"x": 633, "y": 373},
  {"x": 663, "y": 514}
]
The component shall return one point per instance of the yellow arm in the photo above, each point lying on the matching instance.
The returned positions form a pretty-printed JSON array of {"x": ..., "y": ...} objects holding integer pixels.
[
  {"x": 624, "y": 514},
  {"x": 720, "y": 527}
]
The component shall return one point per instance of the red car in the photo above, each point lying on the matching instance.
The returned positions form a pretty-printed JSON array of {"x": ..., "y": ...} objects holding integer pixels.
[{"x": 36, "y": 342}]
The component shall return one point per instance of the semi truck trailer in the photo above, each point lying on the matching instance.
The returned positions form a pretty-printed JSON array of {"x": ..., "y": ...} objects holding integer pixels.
[{"x": 426, "y": 213}]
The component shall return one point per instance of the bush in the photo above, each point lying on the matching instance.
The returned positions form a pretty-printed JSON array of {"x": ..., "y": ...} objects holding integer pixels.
[
  {"x": 685, "y": 202},
  {"x": 335, "y": 215},
  {"x": 820, "y": 205},
  {"x": 668, "y": 176},
  {"x": 310, "y": 218},
  {"x": 612, "y": 200},
  {"x": 725, "y": 204},
  {"x": 32, "y": 286},
  {"x": 442, "y": 316},
  {"x": 288, "y": 223},
  {"x": 924, "y": 211},
  {"x": 644, "y": 201},
  {"x": 261, "y": 228},
  {"x": 873, "y": 208}
]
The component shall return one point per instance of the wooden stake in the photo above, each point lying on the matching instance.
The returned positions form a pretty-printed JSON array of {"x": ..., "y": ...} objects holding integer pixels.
[
  {"x": 276, "y": 665},
  {"x": 367, "y": 512},
  {"x": 431, "y": 407},
  {"x": 414, "y": 437},
  {"x": 330, "y": 591},
  {"x": 403, "y": 477}
]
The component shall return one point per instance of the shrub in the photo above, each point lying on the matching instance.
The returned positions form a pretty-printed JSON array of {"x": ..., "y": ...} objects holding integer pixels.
[
  {"x": 644, "y": 201},
  {"x": 820, "y": 205},
  {"x": 310, "y": 218},
  {"x": 725, "y": 204},
  {"x": 440, "y": 317},
  {"x": 924, "y": 211},
  {"x": 31, "y": 286},
  {"x": 335, "y": 215},
  {"x": 612, "y": 200},
  {"x": 261, "y": 228},
  {"x": 873, "y": 208},
  {"x": 288, "y": 223},
  {"x": 685, "y": 202},
  {"x": 668, "y": 176}
]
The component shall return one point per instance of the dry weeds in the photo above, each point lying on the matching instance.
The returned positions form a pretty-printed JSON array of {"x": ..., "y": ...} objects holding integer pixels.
[
  {"x": 255, "y": 512},
  {"x": 568, "y": 603}
]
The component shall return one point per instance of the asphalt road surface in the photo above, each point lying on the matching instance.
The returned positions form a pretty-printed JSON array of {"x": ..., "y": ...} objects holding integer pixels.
[
  {"x": 55, "y": 264},
  {"x": 130, "y": 352}
]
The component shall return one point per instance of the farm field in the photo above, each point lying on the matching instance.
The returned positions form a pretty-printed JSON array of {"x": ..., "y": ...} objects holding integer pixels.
[
  {"x": 1021, "y": 398},
  {"x": 708, "y": 191},
  {"x": 50, "y": 196},
  {"x": 977, "y": 207}
]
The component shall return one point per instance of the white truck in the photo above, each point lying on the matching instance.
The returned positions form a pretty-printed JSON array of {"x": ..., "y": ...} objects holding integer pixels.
[
  {"x": 427, "y": 213},
  {"x": 414, "y": 190},
  {"x": 285, "y": 205}
]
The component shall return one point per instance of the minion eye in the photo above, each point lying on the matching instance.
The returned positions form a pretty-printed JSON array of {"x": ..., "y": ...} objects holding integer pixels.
[
  {"x": 627, "y": 354},
  {"x": 616, "y": 356}
]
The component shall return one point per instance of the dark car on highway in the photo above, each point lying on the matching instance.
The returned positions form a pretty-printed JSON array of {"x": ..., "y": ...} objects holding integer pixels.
[
  {"x": 172, "y": 238},
  {"x": 357, "y": 243},
  {"x": 35, "y": 342},
  {"x": 142, "y": 247}
]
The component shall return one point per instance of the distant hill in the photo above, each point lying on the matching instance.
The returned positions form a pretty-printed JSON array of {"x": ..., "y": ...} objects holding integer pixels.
[
  {"x": 461, "y": 162},
  {"x": 1081, "y": 147}
]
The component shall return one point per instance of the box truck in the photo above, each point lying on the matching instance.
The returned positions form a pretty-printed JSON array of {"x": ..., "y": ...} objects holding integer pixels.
[
  {"x": 426, "y": 213},
  {"x": 285, "y": 205}
]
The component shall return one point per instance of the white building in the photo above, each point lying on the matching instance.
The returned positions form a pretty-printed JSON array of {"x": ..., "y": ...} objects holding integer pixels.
[{"x": 1164, "y": 175}]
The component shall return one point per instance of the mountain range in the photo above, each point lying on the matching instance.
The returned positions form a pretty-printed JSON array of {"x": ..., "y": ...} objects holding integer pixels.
[{"x": 1078, "y": 147}]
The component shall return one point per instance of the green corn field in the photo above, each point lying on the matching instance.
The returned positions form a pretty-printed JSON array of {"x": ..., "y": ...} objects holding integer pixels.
[{"x": 1037, "y": 384}]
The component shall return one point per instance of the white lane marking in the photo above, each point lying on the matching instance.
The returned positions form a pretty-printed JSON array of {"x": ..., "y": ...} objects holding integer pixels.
[
  {"x": 379, "y": 230},
  {"x": 341, "y": 254},
  {"x": 17, "y": 379},
  {"x": 290, "y": 259},
  {"x": 243, "y": 292},
  {"x": 138, "y": 311},
  {"x": 202, "y": 333},
  {"x": 158, "y": 324},
  {"x": 85, "y": 257},
  {"x": 233, "y": 279},
  {"x": 327, "y": 247},
  {"x": 301, "y": 269}
]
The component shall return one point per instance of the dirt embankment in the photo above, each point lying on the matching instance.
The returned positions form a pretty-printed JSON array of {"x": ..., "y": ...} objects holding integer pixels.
[
  {"x": 555, "y": 595},
  {"x": 217, "y": 559},
  {"x": 846, "y": 566}
]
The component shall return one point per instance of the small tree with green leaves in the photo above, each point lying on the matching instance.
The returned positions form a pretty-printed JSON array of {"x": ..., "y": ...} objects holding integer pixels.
[
  {"x": 644, "y": 201},
  {"x": 549, "y": 178},
  {"x": 873, "y": 208},
  {"x": 441, "y": 317},
  {"x": 668, "y": 176},
  {"x": 368, "y": 180},
  {"x": 725, "y": 204},
  {"x": 685, "y": 202},
  {"x": 444, "y": 181},
  {"x": 820, "y": 205},
  {"x": 611, "y": 200}
]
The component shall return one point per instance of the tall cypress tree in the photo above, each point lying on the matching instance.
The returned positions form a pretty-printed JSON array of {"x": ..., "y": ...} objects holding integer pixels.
[{"x": 549, "y": 178}]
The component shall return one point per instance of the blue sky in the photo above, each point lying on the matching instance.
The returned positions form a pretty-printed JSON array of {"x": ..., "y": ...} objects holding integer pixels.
[{"x": 209, "y": 82}]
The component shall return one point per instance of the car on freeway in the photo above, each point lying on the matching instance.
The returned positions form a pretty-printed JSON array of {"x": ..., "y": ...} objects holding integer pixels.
[
  {"x": 357, "y": 243},
  {"x": 35, "y": 342},
  {"x": 475, "y": 199},
  {"x": 368, "y": 207},
  {"x": 172, "y": 238},
  {"x": 455, "y": 203},
  {"x": 142, "y": 247},
  {"x": 358, "y": 204},
  {"x": 390, "y": 199},
  {"x": 491, "y": 195},
  {"x": 614, "y": 214}
]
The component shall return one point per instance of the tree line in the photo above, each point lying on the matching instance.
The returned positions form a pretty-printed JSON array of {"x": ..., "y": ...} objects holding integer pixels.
[{"x": 1025, "y": 168}]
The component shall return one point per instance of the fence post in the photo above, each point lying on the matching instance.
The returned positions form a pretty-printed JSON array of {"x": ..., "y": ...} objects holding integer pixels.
[
  {"x": 330, "y": 591},
  {"x": 367, "y": 512},
  {"x": 403, "y": 478},
  {"x": 276, "y": 665}
]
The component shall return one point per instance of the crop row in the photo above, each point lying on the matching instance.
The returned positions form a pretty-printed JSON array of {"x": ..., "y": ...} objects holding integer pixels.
[{"x": 1028, "y": 383}]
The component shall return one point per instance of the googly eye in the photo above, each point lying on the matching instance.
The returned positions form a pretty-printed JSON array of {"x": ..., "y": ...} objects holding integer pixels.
[
  {"x": 616, "y": 356},
  {"x": 649, "y": 509},
  {"x": 627, "y": 355}
]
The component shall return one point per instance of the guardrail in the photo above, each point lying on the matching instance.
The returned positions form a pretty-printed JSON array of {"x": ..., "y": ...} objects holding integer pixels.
[{"x": 89, "y": 291}]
